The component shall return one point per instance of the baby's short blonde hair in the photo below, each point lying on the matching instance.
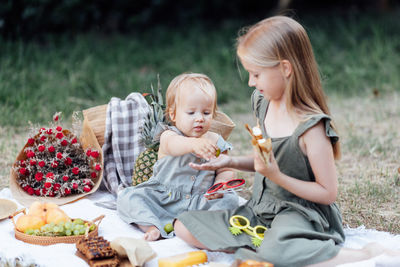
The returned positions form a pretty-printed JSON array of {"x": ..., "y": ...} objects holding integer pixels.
[{"x": 197, "y": 80}]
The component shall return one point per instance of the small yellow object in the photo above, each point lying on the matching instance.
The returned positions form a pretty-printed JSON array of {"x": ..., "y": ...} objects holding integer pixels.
[
  {"x": 185, "y": 259},
  {"x": 218, "y": 152},
  {"x": 168, "y": 228}
]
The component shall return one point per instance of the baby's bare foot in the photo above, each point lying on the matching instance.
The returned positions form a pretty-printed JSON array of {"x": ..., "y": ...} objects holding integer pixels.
[{"x": 152, "y": 234}]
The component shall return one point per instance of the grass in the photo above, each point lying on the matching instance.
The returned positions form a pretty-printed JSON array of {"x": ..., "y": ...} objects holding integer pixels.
[
  {"x": 359, "y": 60},
  {"x": 355, "y": 53}
]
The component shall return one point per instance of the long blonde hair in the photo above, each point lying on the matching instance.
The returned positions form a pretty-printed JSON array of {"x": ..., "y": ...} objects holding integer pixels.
[{"x": 278, "y": 38}]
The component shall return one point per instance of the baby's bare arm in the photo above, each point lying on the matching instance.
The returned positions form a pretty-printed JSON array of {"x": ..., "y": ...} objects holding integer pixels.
[{"x": 174, "y": 144}]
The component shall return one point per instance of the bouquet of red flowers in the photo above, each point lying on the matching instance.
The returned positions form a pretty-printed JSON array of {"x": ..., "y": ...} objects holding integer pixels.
[{"x": 55, "y": 163}]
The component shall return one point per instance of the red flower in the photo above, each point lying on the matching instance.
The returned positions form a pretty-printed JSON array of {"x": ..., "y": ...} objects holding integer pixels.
[
  {"x": 49, "y": 131},
  {"x": 56, "y": 187},
  {"x": 37, "y": 192},
  {"x": 39, "y": 176},
  {"x": 41, "y": 148},
  {"x": 75, "y": 170},
  {"x": 68, "y": 161},
  {"x": 54, "y": 164},
  {"x": 42, "y": 138},
  {"x": 67, "y": 191},
  {"x": 88, "y": 152},
  {"x": 65, "y": 178},
  {"x": 87, "y": 181},
  {"x": 51, "y": 149},
  {"x": 93, "y": 175},
  {"x": 31, "y": 141},
  {"x": 75, "y": 186},
  {"x": 86, "y": 188},
  {"x": 59, "y": 135},
  {"x": 42, "y": 130},
  {"x": 22, "y": 163},
  {"x": 23, "y": 171},
  {"x": 59, "y": 128},
  {"x": 47, "y": 185},
  {"x": 32, "y": 162},
  {"x": 42, "y": 164},
  {"x": 50, "y": 175},
  {"x": 51, "y": 193},
  {"x": 30, "y": 154},
  {"x": 74, "y": 141},
  {"x": 64, "y": 142},
  {"x": 55, "y": 117},
  {"x": 98, "y": 167},
  {"x": 30, "y": 191},
  {"x": 59, "y": 155},
  {"x": 44, "y": 190},
  {"x": 94, "y": 154}
]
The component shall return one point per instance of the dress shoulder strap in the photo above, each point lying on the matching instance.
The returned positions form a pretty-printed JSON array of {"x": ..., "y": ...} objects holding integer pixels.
[{"x": 314, "y": 120}]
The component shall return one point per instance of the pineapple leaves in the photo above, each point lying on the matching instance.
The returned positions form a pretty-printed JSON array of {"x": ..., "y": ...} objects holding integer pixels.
[
  {"x": 235, "y": 231},
  {"x": 256, "y": 241}
]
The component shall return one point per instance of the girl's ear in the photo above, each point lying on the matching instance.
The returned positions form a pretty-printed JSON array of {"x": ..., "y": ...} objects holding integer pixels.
[
  {"x": 171, "y": 114},
  {"x": 286, "y": 68}
]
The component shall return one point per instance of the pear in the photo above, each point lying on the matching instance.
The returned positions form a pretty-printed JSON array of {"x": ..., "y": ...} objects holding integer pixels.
[{"x": 25, "y": 222}]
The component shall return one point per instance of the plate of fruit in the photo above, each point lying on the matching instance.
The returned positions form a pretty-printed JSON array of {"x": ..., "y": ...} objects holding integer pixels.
[{"x": 47, "y": 224}]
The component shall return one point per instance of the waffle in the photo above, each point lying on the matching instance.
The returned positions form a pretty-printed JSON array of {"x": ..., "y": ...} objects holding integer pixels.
[{"x": 97, "y": 251}]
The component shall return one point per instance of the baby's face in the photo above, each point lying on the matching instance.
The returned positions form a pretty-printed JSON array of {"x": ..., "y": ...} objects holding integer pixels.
[{"x": 194, "y": 111}]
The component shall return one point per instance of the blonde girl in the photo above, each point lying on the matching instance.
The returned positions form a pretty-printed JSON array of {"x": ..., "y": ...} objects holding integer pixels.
[
  {"x": 294, "y": 195},
  {"x": 175, "y": 187}
]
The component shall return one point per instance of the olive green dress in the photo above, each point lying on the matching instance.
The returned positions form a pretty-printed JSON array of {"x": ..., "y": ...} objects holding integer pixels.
[{"x": 299, "y": 232}]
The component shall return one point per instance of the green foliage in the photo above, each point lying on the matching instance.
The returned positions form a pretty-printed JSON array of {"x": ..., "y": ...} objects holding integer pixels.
[{"x": 355, "y": 55}]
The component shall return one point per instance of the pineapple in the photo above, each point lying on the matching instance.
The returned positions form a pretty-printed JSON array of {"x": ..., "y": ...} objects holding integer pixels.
[{"x": 144, "y": 163}]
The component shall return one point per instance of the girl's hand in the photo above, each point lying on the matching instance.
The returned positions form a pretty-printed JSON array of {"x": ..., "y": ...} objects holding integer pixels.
[
  {"x": 204, "y": 148},
  {"x": 271, "y": 171},
  {"x": 214, "y": 164}
]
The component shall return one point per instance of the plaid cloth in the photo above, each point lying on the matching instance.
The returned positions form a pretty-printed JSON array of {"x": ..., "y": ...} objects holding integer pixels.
[{"x": 122, "y": 143}]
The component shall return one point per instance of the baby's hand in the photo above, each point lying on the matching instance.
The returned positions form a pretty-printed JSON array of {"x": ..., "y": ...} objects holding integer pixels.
[{"x": 204, "y": 148}]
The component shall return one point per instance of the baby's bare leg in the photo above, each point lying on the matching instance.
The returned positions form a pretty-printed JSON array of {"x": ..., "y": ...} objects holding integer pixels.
[
  {"x": 182, "y": 232},
  {"x": 151, "y": 233}
]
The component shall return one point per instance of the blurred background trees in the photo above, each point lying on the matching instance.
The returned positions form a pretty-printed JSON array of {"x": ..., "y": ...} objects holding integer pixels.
[
  {"x": 68, "y": 55},
  {"x": 32, "y": 18}
]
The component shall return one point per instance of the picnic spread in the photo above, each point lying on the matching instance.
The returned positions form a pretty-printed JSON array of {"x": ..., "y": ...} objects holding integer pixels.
[
  {"x": 112, "y": 227},
  {"x": 91, "y": 231}
]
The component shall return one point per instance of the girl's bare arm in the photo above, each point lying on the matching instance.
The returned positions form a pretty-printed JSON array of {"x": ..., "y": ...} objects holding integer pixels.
[{"x": 320, "y": 155}]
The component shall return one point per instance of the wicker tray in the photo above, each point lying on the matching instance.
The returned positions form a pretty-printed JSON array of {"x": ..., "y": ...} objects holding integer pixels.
[{"x": 50, "y": 240}]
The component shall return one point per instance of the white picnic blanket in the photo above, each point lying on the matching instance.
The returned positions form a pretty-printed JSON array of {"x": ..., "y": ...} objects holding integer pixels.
[{"x": 111, "y": 227}]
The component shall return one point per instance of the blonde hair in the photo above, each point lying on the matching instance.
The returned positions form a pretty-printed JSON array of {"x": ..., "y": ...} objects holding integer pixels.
[
  {"x": 278, "y": 38},
  {"x": 198, "y": 81}
]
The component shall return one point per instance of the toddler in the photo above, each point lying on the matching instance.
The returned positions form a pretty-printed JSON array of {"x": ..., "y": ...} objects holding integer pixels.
[{"x": 175, "y": 187}]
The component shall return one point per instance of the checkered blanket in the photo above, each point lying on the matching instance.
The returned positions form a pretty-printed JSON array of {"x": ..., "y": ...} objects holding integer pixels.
[{"x": 122, "y": 143}]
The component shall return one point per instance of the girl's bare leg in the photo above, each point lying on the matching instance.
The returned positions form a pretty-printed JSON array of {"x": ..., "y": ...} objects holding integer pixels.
[
  {"x": 151, "y": 233},
  {"x": 347, "y": 255},
  {"x": 182, "y": 232}
]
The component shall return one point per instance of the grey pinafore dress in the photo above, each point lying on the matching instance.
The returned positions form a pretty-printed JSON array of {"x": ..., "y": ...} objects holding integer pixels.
[
  {"x": 175, "y": 187},
  {"x": 299, "y": 232}
]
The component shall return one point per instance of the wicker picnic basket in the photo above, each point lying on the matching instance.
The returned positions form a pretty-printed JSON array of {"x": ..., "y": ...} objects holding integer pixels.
[
  {"x": 50, "y": 240},
  {"x": 96, "y": 118},
  {"x": 87, "y": 140}
]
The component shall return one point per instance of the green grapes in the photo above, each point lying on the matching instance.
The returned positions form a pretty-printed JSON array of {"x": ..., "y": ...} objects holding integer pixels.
[{"x": 76, "y": 227}]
